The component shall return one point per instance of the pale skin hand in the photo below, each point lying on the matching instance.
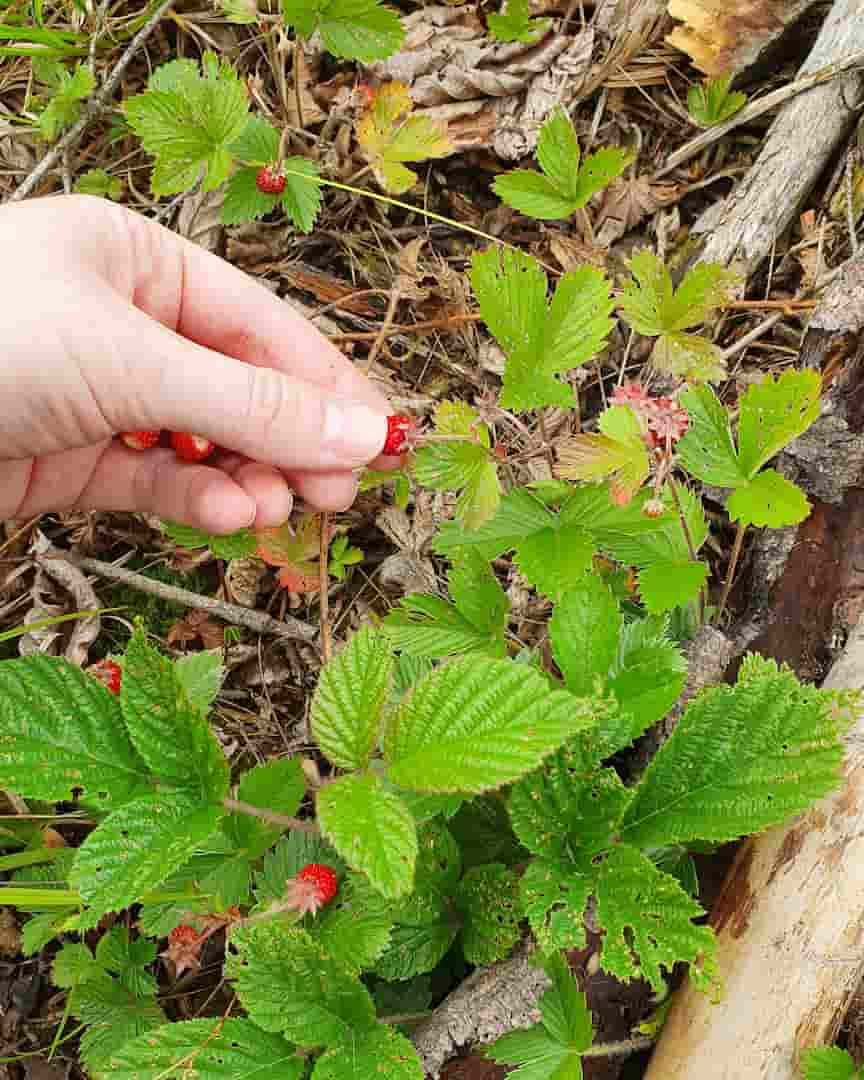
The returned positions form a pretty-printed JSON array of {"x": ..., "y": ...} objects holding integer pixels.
[{"x": 111, "y": 323}]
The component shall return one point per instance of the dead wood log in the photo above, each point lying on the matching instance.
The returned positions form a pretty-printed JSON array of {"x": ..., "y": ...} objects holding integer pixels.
[
  {"x": 808, "y": 130},
  {"x": 790, "y": 923}
]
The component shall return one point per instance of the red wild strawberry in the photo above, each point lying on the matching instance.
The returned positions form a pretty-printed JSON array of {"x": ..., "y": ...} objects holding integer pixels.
[
  {"x": 313, "y": 887},
  {"x": 108, "y": 673},
  {"x": 140, "y": 440},
  {"x": 269, "y": 181},
  {"x": 399, "y": 432},
  {"x": 191, "y": 447}
]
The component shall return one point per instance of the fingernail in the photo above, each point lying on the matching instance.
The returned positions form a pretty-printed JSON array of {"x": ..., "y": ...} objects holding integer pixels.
[
  {"x": 232, "y": 510},
  {"x": 353, "y": 433}
]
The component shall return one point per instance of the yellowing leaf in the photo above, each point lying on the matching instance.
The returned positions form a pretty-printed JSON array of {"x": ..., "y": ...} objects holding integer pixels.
[
  {"x": 293, "y": 552},
  {"x": 619, "y": 453},
  {"x": 389, "y": 135}
]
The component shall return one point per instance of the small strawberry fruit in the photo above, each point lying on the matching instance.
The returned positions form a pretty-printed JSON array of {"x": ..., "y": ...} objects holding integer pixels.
[
  {"x": 269, "y": 181},
  {"x": 184, "y": 949},
  {"x": 313, "y": 887},
  {"x": 191, "y": 447},
  {"x": 399, "y": 432},
  {"x": 108, "y": 673},
  {"x": 140, "y": 440}
]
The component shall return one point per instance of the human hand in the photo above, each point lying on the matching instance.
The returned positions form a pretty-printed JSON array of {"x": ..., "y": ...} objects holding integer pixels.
[{"x": 111, "y": 323}]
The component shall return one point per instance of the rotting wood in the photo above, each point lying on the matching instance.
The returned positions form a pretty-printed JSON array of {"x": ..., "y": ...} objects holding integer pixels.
[
  {"x": 790, "y": 924},
  {"x": 807, "y": 131}
]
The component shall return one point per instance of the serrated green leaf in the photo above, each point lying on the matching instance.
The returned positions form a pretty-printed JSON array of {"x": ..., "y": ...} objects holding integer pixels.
[
  {"x": 554, "y": 895},
  {"x": 533, "y": 194},
  {"x": 301, "y": 199},
  {"x": 579, "y": 321},
  {"x": 689, "y": 357},
  {"x": 476, "y": 724},
  {"x": 356, "y": 926},
  {"x": 388, "y": 135},
  {"x": 488, "y": 897},
  {"x": 477, "y": 593},
  {"x": 648, "y": 677},
  {"x": 774, "y": 412},
  {"x": 355, "y": 29},
  {"x": 42, "y": 928},
  {"x": 237, "y": 545},
  {"x": 618, "y": 453},
  {"x": 171, "y": 735},
  {"x": 584, "y": 632},
  {"x": 381, "y": 1050},
  {"x": 348, "y": 703},
  {"x": 667, "y": 585},
  {"x": 424, "y": 930},
  {"x": 73, "y": 965},
  {"x": 648, "y": 922},
  {"x": 712, "y": 102},
  {"x": 555, "y": 560},
  {"x": 482, "y": 831},
  {"x": 201, "y": 676},
  {"x": 651, "y": 305},
  {"x": 707, "y": 451},
  {"x": 187, "y": 121},
  {"x": 62, "y": 731},
  {"x": 127, "y": 960},
  {"x": 218, "y": 1049},
  {"x": 741, "y": 759},
  {"x": 257, "y": 144},
  {"x": 137, "y": 847},
  {"x": 244, "y": 202},
  {"x": 289, "y": 983},
  {"x": 229, "y": 879},
  {"x": 113, "y": 1017},
  {"x": 519, "y": 515},
  {"x": 516, "y": 25},
  {"x": 769, "y": 499},
  {"x": 277, "y": 785},
  {"x": 828, "y": 1063},
  {"x": 372, "y": 829},
  {"x": 64, "y": 107},
  {"x": 101, "y": 183}
]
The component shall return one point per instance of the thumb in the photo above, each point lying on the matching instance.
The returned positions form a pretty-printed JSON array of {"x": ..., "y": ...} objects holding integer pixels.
[{"x": 271, "y": 416}]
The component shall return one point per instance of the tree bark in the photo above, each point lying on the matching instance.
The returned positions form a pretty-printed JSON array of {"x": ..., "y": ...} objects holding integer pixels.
[
  {"x": 807, "y": 131},
  {"x": 790, "y": 923}
]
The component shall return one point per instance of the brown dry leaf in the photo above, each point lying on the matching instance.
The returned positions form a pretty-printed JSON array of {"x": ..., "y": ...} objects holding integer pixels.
[
  {"x": 309, "y": 67},
  {"x": 725, "y": 37},
  {"x": 328, "y": 288},
  {"x": 10, "y": 935},
  {"x": 200, "y": 219},
  {"x": 408, "y": 279},
  {"x": 627, "y": 202},
  {"x": 571, "y": 253},
  {"x": 243, "y": 580},
  {"x": 409, "y": 569},
  {"x": 455, "y": 72},
  {"x": 195, "y": 626}
]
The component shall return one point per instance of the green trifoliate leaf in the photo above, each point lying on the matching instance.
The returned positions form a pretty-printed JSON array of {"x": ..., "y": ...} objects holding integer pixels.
[
  {"x": 61, "y": 730},
  {"x": 289, "y": 983},
  {"x": 474, "y": 725},
  {"x": 169, "y": 732},
  {"x": 372, "y": 829},
  {"x": 187, "y": 121},
  {"x": 362, "y": 30},
  {"x": 101, "y": 183},
  {"x": 73, "y": 965},
  {"x": 137, "y": 847},
  {"x": 707, "y": 451},
  {"x": 564, "y": 185},
  {"x": 449, "y": 466},
  {"x": 381, "y": 1050},
  {"x": 276, "y": 785},
  {"x": 552, "y": 1049},
  {"x": 113, "y": 1017},
  {"x": 423, "y": 933},
  {"x": 349, "y": 701},
  {"x": 257, "y": 144},
  {"x": 649, "y": 675},
  {"x": 741, "y": 759},
  {"x": 652, "y": 306},
  {"x": 540, "y": 341},
  {"x": 648, "y": 922},
  {"x": 769, "y": 499},
  {"x": 617, "y": 453},
  {"x": 64, "y": 108},
  {"x": 667, "y": 585},
  {"x": 488, "y": 897},
  {"x": 231, "y": 1049},
  {"x": 237, "y": 545},
  {"x": 514, "y": 24},
  {"x": 428, "y": 627},
  {"x": 127, "y": 959},
  {"x": 554, "y": 560},
  {"x": 828, "y": 1063},
  {"x": 201, "y": 676},
  {"x": 773, "y": 413},
  {"x": 713, "y": 102},
  {"x": 584, "y": 632}
]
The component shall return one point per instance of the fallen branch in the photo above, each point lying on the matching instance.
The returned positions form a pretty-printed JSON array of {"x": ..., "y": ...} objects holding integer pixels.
[
  {"x": 258, "y": 621},
  {"x": 96, "y": 105}
]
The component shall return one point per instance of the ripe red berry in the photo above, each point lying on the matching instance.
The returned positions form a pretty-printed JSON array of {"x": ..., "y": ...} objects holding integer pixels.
[
  {"x": 108, "y": 673},
  {"x": 140, "y": 440},
  {"x": 313, "y": 887},
  {"x": 184, "y": 934},
  {"x": 399, "y": 431},
  {"x": 269, "y": 181},
  {"x": 191, "y": 447}
]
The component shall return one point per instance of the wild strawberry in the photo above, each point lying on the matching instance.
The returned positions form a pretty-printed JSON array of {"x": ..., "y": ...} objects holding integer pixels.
[
  {"x": 400, "y": 430},
  {"x": 191, "y": 447},
  {"x": 140, "y": 440},
  {"x": 313, "y": 887},
  {"x": 184, "y": 949},
  {"x": 108, "y": 673},
  {"x": 269, "y": 181}
]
